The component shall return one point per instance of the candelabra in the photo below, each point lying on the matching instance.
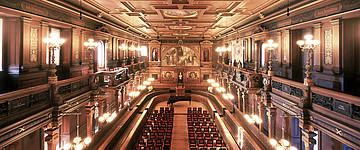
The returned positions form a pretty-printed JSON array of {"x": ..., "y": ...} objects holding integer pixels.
[
  {"x": 53, "y": 42},
  {"x": 91, "y": 45},
  {"x": 78, "y": 142},
  {"x": 308, "y": 46},
  {"x": 270, "y": 46}
]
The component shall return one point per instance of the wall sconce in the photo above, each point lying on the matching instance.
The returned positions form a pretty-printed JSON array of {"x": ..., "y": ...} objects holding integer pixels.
[
  {"x": 134, "y": 94},
  {"x": 107, "y": 117},
  {"x": 210, "y": 81},
  {"x": 282, "y": 145},
  {"x": 228, "y": 96},
  {"x": 141, "y": 87},
  {"x": 270, "y": 46},
  {"x": 308, "y": 46},
  {"x": 253, "y": 119},
  {"x": 91, "y": 45},
  {"x": 220, "y": 89}
]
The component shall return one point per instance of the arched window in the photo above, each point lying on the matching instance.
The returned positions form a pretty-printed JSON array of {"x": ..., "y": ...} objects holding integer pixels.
[{"x": 101, "y": 55}]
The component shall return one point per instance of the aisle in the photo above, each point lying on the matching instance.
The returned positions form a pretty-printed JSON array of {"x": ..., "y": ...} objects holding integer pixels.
[{"x": 180, "y": 139}]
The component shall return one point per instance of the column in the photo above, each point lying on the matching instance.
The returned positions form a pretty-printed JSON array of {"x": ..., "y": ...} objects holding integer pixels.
[
  {"x": 101, "y": 110},
  {"x": 89, "y": 120},
  {"x": 261, "y": 108},
  {"x": 286, "y": 126},
  {"x": 271, "y": 113},
  {"x": 308, "y": 139},
  {"x": 245, "y": 99},
  {"x": 238, "y": 95},
  {"x": 52, "y": 136}
]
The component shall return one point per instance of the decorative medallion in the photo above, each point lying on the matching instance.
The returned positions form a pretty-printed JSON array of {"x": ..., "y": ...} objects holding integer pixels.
[
  {"x": 180, "y": 13},
  {"x": 328, "y": 47},
  {"x": 193, "y": 75},
  {"x": 33, "y": 44},
  {"x": 167, "y": 75}
]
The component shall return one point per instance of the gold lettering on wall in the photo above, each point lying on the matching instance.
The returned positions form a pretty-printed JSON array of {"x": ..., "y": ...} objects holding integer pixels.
[
  {"x": 33, "y": 44},
  {"x": 328, "y": 47}
]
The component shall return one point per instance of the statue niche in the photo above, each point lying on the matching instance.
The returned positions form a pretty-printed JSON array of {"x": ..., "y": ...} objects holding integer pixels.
[
  {"x": 154, "y": 54},
  {"x": 180, "y": 56},
  {"x": 206, "y": 55}
]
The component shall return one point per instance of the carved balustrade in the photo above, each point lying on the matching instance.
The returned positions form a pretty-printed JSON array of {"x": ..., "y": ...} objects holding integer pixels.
[{"x": 14, "y": 105}]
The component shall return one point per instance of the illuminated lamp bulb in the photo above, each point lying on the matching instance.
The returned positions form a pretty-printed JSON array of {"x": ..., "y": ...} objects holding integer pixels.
[
  {"x": 79, "y": 147},
  {"x": 273, "y": 142},
  {"x": 67, "y": 146},
  {"x": 77, "y": 140},
  {"x": 285, "y": 142},
  {"x": 87, "y": 140},
  {"x": 101, "y": 119}
]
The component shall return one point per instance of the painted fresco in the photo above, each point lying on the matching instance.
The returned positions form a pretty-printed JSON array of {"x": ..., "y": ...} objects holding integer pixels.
[{"x": 180, "y": 56}]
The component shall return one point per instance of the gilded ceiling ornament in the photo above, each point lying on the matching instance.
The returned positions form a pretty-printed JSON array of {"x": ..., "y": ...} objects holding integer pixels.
[{"x": 180, "y": 13}]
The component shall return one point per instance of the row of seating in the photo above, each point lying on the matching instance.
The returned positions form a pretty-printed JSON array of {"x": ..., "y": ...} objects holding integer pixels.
[
  {"x": 202, "y": 131},
  {"x": 157, "y": 132}
]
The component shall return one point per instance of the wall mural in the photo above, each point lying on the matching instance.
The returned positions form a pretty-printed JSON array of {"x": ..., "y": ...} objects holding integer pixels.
[
  {"x": 167, "y": 75},
  {"x": 180, "y": 56},
  {"x": 193, "y": 75}
]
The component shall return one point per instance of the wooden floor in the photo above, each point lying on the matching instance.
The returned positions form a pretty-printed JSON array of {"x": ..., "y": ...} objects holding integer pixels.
[{"x": 180, "y": 140}]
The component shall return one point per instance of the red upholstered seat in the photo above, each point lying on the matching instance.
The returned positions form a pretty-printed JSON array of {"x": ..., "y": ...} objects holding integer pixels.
[
  {"x": 209, "y": 143},
  {"x": 201, "y": 143},
  {"x": 192, "y": 143},
  {"x": 218, "y": 143}
]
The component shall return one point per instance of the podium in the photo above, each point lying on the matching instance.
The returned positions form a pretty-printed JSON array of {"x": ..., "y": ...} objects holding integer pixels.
[{"x": 180, "y": 90}]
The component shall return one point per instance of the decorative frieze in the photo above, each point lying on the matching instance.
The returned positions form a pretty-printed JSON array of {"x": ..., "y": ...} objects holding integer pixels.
[
  {"x": 336, "y": 105},
  {"x": 23, "y": 103},
  {"x": 291, "y": 90}
]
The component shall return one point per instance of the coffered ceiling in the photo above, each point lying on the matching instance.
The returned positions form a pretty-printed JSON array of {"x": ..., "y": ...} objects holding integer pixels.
[{"x": 181, "y": 18}]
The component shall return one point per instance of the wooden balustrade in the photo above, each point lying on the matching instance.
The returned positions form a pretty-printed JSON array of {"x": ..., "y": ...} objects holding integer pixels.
[{"x": 14, "y": 105}]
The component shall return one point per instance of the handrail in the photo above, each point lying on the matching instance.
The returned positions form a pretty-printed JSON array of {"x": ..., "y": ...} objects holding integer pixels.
[
  {"x": 71, "y": 80},
  {"x": 23, "y": 92},
  {"x": 337, "y": 95},
  {"x": 289, "y": 82}
]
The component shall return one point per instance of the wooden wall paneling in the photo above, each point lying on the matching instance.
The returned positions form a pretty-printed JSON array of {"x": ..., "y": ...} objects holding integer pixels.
[
  {"x": 336, "y": 34},
  {"x": 65, "y": 54},
  {"x": 25, "y": 42},
  {"x": 286, "y": 47},
  {"x": 318, "y": 51},
  {"x": 296, "y": 56},
  {"x": 350, "y": 54},
  {"x": 12, "y": 44},
  {"x": 44, "y": 33}
]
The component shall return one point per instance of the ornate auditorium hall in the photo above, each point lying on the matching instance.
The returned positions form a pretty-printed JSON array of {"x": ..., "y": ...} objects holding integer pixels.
[{"x": 179, "y": 74}]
